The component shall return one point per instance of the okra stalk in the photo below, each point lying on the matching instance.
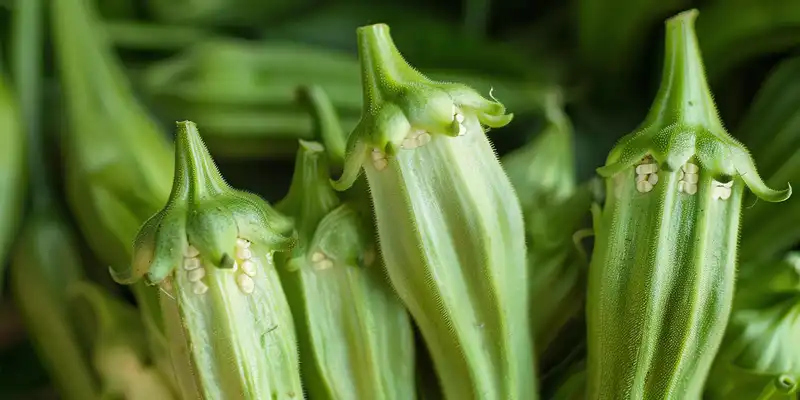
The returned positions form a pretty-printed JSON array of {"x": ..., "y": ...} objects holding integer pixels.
[
  {"x": 662, "y": 272},
  {"x": 210, "y": 250},
  {"x": 760, "y": 357},
  {"x": 449, "y": 224}
]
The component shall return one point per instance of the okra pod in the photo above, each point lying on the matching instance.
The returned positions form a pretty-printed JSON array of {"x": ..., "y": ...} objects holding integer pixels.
[
  {"x": 117, "y": 160},
  {"x": 543, "y": 171},
  {"x": 243, "y": 94},
  {"x": 760, "y": 357},
  {"x": 44, "y": 266},
  {"x": 45, "y": 261},
  {"x": 210, "y": 250},
  {"x": 119, "y": 351},
  {"x": 662, "y": 271},
  {"x": 449, "y": 223},
  {"x": 12, "y": 173},
  {"x": 355, "y": 335}
]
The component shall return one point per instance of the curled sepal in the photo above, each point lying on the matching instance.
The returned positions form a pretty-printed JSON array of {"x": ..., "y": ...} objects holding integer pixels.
[
  {"x": 683, "y": 125},
  {"x": 203, "y": 218},
  {"x": 404, "y": 110}
]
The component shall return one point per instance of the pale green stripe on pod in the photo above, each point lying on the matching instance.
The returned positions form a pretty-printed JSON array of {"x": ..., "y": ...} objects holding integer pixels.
[
  {"x": 453, "y": 242},
  {"x": 236, "y": 340},
  {"x": 661, "y": 283},
  {"x": 662, "y": 273}
]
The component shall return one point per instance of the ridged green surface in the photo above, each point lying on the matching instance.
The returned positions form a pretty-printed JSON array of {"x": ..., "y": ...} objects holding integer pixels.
[
  {"x": 661, "y": 284},
  {"x": 454, "y": 246},
  {"x": 449, "y": 224},
  {"x": 662, "y": 274},
  {"x": 355, "y": 335}
]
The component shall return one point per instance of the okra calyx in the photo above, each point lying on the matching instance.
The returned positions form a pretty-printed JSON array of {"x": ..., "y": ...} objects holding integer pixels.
[
  {"x": 403, "y": 109},
  {"x": 205, "y": 221},
  {"x": 683, "y": 130}
]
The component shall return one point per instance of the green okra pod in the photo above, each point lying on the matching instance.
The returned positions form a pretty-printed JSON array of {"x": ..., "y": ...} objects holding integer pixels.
[
  {"x": 663, "y": 267},
  {"x": 117, "y": 162},
  {"x": 760, "y": 357},
  {"x": 12, "y": 173},
  {"x": 45, "y": 266},
  {"x": 119, "y": 351},
  {"x": 543, "y": 171},
  {"x": 355, "y": 336},
  {"x": 45, "y": 260},
  {"x": 210, "y": 250},
  {"x": 449, "y": 223}
]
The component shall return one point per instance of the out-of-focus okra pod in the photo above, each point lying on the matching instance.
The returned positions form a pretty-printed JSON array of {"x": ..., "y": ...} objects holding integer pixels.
[
  {"x": 12, "y": 173},
  {"x": 450, "y": 225},
  {"x": 771, "y": 130},
  {"x": 45, "y": 261},
  {"x": 662, "y": 273},
  {"x": 119, "y": 349},
  {"x": 760, "y": 356},
  {"x": 355, "y": 335},
  {"x": 210, "y": 250},
  {"x": 117, "y": 161},
  {"x": 543, "y": 171},
  {"x": 242, "y": 93},
  {"x": 45, "y": 265}
]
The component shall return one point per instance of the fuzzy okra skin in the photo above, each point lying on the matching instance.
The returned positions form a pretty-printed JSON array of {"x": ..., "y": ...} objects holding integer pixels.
[
  {"x": 662, "y": 272},
  {"x": 355, "y": 335},
  {"x": 449, "y": 224},
  {"x": 211, "y": 249}
]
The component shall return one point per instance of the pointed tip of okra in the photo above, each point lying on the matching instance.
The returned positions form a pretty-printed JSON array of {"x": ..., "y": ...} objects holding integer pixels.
[
  {"x": 403, "y": 109},
  {"x": 310, "y": 194},
  {"x": 204, "y": 219},
  {"x": 683, "y": 125}
]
